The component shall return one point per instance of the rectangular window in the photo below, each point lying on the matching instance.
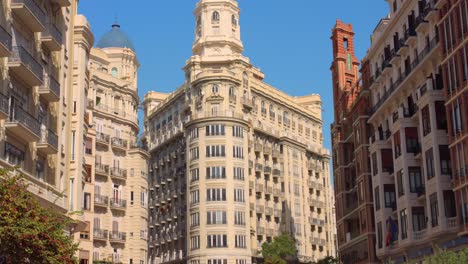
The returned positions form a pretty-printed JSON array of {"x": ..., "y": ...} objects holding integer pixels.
[
  {"x": 379, "y": 234},
  {"x": 377, "y": 198},
  {"x": 401, "y": 188},
  {"x": 215, "y": 151},
  {"x": 404, "y": 224},
  {"x": 195, "y": 174},
  {"x": 195, "y": 219},
  {"x": 419, "y": 218},
  {"x": 434, "y": 210},
  {"x": 240, "y": 241},
  {"x": 193, "y": 134},
  {"x": 239, "y": 174},
  {"x": 216, "y": 172},
  {"x": 194, "y": 197},
  {"x": 239, "y": 218},
  {"x": 430, "y": 172},
  {"x": 216, "y": 195},
  {"x": 195, "y": 242},
  {"x": 215, "y": 130},
  {"x": 441, "y": 116},
  {"x": 426, "y": 121},
  {"x": 131, "y": 198},
  {"x": 375, "y": 169},
  {"x": 238, "y": 152},
  {"x": 194, "y": 153},
  {"x": 217, "y": 261},
  {"x": 237, "y": 131},
  {"x": 390, "y": 196},
  {"x": 87, "y": 201},
  {"x": 216, "y": 218},
  {"x": 445, "y": 162},
  {"x": 239, "y": 195},
  {"x": 216, "y": 241},
  {"x": 415, "y": 180}
]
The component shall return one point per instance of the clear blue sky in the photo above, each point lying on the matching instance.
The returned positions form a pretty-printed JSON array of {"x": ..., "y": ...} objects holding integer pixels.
[{"x": 288, "y": 40}]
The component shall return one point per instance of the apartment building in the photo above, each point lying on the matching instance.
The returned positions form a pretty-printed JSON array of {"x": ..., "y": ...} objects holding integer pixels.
[
  {"x": 414, "y": 202},
  {"x": 351, "y": 164},
  {"x": 113, "y": 191},
  {"x": 234, "y": 162},
  {"x": 453, "y": 32},
  {"x": 35, "y": 44}
]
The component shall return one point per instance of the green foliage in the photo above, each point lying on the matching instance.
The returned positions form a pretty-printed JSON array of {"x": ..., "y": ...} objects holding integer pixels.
[
  {"x": 327, "y": 260},
  {"x": 279, "y": 250},
  {"x": 442, "y": 256},
  {"x": 30, "y": 233}
]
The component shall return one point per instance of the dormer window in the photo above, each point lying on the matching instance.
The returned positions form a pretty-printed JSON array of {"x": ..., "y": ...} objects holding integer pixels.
[
  {"x": 234, "y": 20},
  {"x": 215, "y": 17}
]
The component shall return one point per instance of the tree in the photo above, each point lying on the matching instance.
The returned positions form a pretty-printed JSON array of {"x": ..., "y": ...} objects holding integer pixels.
[
  {"x": 328, "y": 260},
  {"x": 280, "y": 250},
  {"x": 30, "y": 233}
]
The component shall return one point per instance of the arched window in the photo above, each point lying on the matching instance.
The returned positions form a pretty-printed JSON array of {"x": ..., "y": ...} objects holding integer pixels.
[
  {"x": 215, "y": 17},
  {"x": 215, "y": 88},
  {"x": 234, "y": 20},
  {"x": 115, "y": 72}
]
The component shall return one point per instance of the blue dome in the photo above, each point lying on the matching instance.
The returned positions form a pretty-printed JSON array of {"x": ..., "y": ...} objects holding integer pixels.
[{"x": 115, "y": 39}]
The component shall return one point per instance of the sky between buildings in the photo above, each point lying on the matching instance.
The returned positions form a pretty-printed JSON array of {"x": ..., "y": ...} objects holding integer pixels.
[{"x": 289, "y": 40}]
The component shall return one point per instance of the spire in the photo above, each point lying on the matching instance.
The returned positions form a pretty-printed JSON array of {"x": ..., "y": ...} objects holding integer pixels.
[{"x": 217, "y": 28}]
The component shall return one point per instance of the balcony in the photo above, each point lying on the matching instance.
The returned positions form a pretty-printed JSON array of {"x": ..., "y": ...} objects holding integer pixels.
[
  {"x": 259, "y": 188},
  {"x": 247, "y": 102},
  {"x": 3, "y": 106},
  {"x": 118, "y": 204},
  {"x": 267, "y": 169},
  {"x": 267, "y": 150},
  {"x": 260, "y": 231},
  {"x": 118, "y": 173},
  {"x": 30, "y": 13},
  {"x": 258, "y": 147},
  {"x": 52, "y": 38},
  {"x": 102, "y": 138},
  {"x": 276, "y": 172},
  {"x": 275, "y": 154},
  {"x": 48, "y": 142},
  {"x": 100, "y": 234},
  {"x": 23, "y": 64},
  {"x": 101, "y": 200},
  {"x": 260, "y": 209},
  {"x": 118, "y": 143},
  {"x": 101, "y": 169},
  {"x": 421, "y": 23},
  {"x": 5, "y": 42},
  {"x": 258, "y": 167},
  {"x": 117, "y": 237},
  {"x": 22, "y": 124},
  {"x": 50, "y": 90},
  {"x": 419, "y": 235}
]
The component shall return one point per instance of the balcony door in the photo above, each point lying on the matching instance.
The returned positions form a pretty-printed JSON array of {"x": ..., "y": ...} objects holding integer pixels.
[{"x": 117, "y": 193}]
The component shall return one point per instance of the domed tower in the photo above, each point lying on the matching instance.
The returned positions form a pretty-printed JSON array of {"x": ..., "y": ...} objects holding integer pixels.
[{"x": 120, "y": 169}]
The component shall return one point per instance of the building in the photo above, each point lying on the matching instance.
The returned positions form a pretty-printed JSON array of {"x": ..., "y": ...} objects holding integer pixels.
[
  {"x": 35, "y": 45},
  {"x": 234, "y": 161},
  {"x": 351, "y": 163},
  {"x": 414, "y": 201},
  {"x": 453, "y": 32},
  {"x": 105, "y": 129}
]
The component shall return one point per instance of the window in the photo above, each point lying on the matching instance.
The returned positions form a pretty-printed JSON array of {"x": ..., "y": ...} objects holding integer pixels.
[
  {"x": 216, "y": 218},
  {"x": 241, "y": 261},
  {"x": 379, "y": 234},
  {"x": 245, "y": 80},
  {"x": 87, "y": 201},
  {"x": 215, "y": 89},
  {"x": 234, "y": 20},
  {"x": 215, "y": 17},
  {"x": 401, "y": 188},
  {"x": 390, "y": 196},
  {"x": 195, "y": 219},
  {"x": 457, "y": 119},
  {"x": 216, "y": 172},
  {"x": 430, "y": 164},
  {"x": 115, "y": 72},
  {"x": 449, "y": 204},
  {"x": 239, "y": 195},
  {"x": 445, "y": 163},
  {"x": 237, "y": 131},
  {"x": 215, "y": 195},
  {"x": 131, "y": 198},
  {"x": 216, "y": 151},
  {"x": 404, "y": 224},
  {"x": 426, "y": 121},
  {"x": 193, "y": 134},
  {"x": 239, "y": 218},
  {"x": 441, "y": 116},
  {"x": 377, "y": 198},
  {"x": 239, "y": 174},
  {"x": 214, "y": 241},
  {"x": 195, "y": 197},
  {"x": 240, "y": 241},
  {"x": 238, "y": 152},
  {"x": 195, "y": 242},
  {"x": 217, "y": 261},
  {"x": 194, "y": 153},
  {"x": 195, "y": 174},
  {"x": 419, "y": 218},
  {"x": 374, "y": 164},
  {"x": 434, "y": 209},
  {"x": 215, "y": 130},
  {"x": 415, "y": 180}
]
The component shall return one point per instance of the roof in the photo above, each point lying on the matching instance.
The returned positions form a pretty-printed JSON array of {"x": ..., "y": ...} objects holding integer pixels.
[{"x": 115, "y": 38}]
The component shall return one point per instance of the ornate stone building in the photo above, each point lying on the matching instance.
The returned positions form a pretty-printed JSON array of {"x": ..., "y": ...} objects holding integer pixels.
[
  {"x": 351, "y": 163},
  {"x": 234, "y": 161}
]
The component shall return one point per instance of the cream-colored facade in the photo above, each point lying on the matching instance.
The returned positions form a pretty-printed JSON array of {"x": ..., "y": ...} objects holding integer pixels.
[
  {"x": 414, "y": 202},
  {"x": 35, "y": 44},
  {"x": 113, "y": 192},
  {"x": 234, "y": 161}
]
